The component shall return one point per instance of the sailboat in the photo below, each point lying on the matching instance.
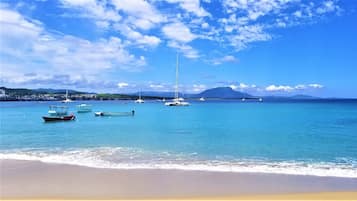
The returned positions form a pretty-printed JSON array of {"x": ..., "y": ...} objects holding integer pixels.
[
  {"x": 177, "y": 101},
  {"x": 139, "y": 100},
  {"x": 67, "y": 100}
]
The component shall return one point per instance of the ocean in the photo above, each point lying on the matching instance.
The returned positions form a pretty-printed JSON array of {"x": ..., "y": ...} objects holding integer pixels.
[{"x": 301, "y": 138}]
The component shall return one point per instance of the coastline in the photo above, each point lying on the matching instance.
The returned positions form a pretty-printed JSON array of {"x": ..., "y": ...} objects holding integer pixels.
[{"x": 38, "y": 180}]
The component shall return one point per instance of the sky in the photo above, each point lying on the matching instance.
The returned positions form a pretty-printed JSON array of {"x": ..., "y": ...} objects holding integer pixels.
[{"x": 262, "y": 47}]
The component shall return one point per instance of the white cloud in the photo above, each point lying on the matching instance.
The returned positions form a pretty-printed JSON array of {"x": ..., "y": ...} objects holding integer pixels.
[
  {"x": 205, "y": 25},
  {"x": 198, "y": 87},
  {"x": 186, "y": 50},
  {"x": 300, "y": 87},
  {"x": 328, "y": 6},
  {"x": 227, "y": 58},
  {"x": 234, "y": 87},
  {"x": 241, "y": 22},
  {"x": 142, "y": 13},
  {"x": 93, "y": 9},
  {"x": 316, "y": 86},
  {"x": 179, "y": 32},
  {"x": 136, "y": 37},
  {"x": 297, "y": 13},
  {"x": 192, "y": 6},
  {"x": 287, "y": 88},
  {"x": 273, "y": 88},
  {"x": 248, "y": 34},
  {"x": 242, "y": 86},
  {"x": 123, "y": 84},
  {"x": 27, "y": 47},
  {"x": 254, "y": 9},
  {"x": 156, "y": 86}
]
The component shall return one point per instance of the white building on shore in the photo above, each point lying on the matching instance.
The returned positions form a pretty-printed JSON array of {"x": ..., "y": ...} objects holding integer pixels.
[{"x": 2, "y": 93}]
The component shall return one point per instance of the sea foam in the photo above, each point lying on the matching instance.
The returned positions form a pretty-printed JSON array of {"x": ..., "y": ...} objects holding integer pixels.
[{"x": 128, "y": 158}]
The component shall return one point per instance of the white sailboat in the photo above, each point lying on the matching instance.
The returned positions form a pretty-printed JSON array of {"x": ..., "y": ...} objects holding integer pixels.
[
  {"x": 67, "y": 100},
  {"x": 177, "y": 101},
  {"x": 202, "y": 99},
  {"x": 139, "y": 100}
]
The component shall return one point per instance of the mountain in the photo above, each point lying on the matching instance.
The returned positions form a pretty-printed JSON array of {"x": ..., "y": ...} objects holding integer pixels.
[
  {"x": 303, "y": 97},
  {"x": 288, "y": 98},
  {"x": 157, "y": 94},
  {"x": 222, "y": 92},
  {"x": 57, "y": 91},
  {"x": 18, "y": 91}
]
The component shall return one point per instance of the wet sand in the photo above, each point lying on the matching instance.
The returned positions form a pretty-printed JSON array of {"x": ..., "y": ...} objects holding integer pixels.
[{"x": 37, "y": 180}]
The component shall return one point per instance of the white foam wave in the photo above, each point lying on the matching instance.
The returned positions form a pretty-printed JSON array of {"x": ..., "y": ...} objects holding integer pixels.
[{"x": 125, "y": 158}]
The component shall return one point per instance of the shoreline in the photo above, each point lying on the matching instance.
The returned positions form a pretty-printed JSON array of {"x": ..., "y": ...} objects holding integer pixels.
[
  {"x": 37, "y": 180},
  {"x": 87, "y": 157}
]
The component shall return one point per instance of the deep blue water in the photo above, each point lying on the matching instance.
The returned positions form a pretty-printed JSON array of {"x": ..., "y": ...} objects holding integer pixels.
[{"x": 311, "y": 137}]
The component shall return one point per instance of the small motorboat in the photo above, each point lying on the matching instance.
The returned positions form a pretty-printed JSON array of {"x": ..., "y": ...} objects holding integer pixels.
[
  {"x": 58, "y": 113},
  {"x": 109, "y": 114},
  {"x": 59, "y": 118},
  {"x": 84, "y": 108}
]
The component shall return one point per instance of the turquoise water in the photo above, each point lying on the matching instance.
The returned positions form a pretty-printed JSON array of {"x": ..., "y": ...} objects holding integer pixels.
[{"x": 309, "y": 138}]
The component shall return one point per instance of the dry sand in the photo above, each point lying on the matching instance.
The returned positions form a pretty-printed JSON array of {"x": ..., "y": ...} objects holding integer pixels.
[{"x": 37, "y": 180}]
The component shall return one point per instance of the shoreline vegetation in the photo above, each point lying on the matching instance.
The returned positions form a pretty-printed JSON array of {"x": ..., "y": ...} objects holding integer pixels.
[
  {"x": 219, "y": 93},
  {"x": 38, "y": 180},
  {"x": 22, "y": 94}
]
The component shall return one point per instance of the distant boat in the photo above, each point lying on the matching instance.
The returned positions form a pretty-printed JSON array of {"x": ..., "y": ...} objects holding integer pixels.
[
  {"x": 132, "y": 113},
  {"x": 139, "y": 100},
  {"x": 177, "y": 101},
  {"x": 58, "y": 113},
  {"x": 243, "y": 99},
  {"x": 260, "y": 99},
  {"x": 67, "y": 100},
  {"x": 82, "y": 108},
  {"x": 202, "y": 99}
]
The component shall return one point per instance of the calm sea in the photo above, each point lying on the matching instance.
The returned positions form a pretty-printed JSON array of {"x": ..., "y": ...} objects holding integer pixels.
[{"x": 307, "y": 138}]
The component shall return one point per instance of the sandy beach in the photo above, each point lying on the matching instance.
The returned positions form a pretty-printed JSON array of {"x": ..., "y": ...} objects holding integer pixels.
[{"x": 37, "y": 180}]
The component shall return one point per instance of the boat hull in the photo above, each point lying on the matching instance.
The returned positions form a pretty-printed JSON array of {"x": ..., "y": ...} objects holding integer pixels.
[
  {"x": 111, "y": 114},
  {"x": 59, "y": 118},
  {"x": 177, "y": 103}
]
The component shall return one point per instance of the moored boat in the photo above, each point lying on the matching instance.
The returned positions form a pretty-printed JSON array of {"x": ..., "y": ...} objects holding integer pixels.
[
  {"x": 177, "y": 101},
  {"x": 109, "y": 114},
  {"x": 59, "y": 118},
  {"x": 139, "y": 100},
  {"x": 58, "y": 113},
  {"x": 84, "y": 108},
  {"x": 67, "y": 100}
]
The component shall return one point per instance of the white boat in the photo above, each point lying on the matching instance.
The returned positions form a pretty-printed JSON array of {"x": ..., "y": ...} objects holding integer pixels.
[
  {"x": 177, "y": 101},
  {"x": 110, "y": 114},
  {"x": 84, "y": 108},
  {"x": 260, "y": 99},
  {"x": 67, "y": 100},
  {"x": 202, "y": 99},
  {"x": 139, "y": 100}
]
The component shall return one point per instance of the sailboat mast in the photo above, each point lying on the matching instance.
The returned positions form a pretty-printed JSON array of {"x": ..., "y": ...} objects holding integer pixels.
[
  {"x": 177, "y": 64},
  {"x": 66, "y": 94}
]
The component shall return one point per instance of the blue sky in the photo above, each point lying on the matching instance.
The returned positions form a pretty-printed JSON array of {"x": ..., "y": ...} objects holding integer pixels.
[{"x": 276, "y": 47}]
